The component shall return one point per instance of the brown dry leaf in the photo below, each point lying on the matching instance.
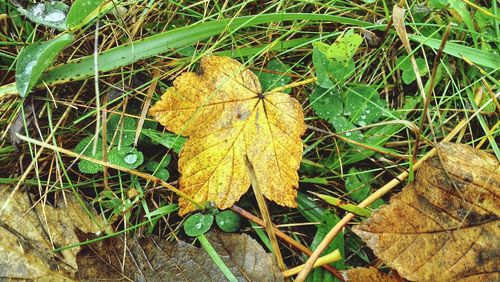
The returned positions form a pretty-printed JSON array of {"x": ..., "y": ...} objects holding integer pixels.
[
  {"x": 226, "y": 116},
  {"x": 150, "y": 259},
  {"x": 29, "y": 234},
  {"x": 362, "y": 274},
  {"x": 440, "y": 228}
]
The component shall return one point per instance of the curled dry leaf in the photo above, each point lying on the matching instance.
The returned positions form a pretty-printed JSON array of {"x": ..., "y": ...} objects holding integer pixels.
[
  {"x": 444, "y": 226},
  {"x": 362, "y": 274},
  {"x": 151, "y": 259},
  {"x": 29, "y": 234},
  {"x": 226, "y": 116}
]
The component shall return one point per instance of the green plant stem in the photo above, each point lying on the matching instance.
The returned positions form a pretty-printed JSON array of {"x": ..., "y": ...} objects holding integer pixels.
[{"x": 216, "y": 258}]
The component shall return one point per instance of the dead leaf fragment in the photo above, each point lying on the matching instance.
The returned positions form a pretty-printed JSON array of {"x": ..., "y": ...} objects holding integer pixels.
[
  {"x": 29, "y": 234},
  {"x": 444, "y": 226},
  {"x": 151, "y": 259},
  {"x": 362, "y": 274},
  {"x": 226, "y": 116}
]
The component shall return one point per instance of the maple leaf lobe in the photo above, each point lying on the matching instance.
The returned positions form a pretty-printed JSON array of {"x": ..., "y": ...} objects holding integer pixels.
[{"x": 222, "y": 111}]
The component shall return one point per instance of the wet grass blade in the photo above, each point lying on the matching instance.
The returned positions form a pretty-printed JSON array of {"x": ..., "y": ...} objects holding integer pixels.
[
  {"x": 160, "y": 43},
  {"x": 34, "y": 59},
  {"x": 460, "y": 51}
]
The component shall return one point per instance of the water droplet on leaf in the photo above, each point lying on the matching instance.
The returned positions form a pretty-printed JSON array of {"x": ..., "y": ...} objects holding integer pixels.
[{"x": 130, "y": 158}]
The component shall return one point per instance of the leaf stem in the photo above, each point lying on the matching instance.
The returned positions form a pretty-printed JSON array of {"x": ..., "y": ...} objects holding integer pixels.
[{"x": 216, "y": 258}]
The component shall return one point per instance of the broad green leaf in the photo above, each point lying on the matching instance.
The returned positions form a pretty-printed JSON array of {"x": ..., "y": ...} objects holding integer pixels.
[
  {"x": 228, "y": 221},
  {"x": 406, "y": 67},
  {"x": 169, "y": 140},
  {"x": 343, "y": 49},
  {"x": 342, "y": 124},
  {"x": 327, "y": 103},
  {"x": 324, "y": 69},
  {"x": 328, "y": 220},
  {"x": 278, "y": 77},
  {"x": 153, "y": 165},
  {"x": 312, "y": 212},
  {"x": 80, "y": 10},
  {"x": 328, "y": 71},
  {"x": 357, "y": 184},
  {"x": 163, "y": 174},
  {"x": 363, "y": 105},
  {"x": 85, "y": 148},
  {"x": 50, "y": 13},
  {"x": 121, "y": 130},
  {"x": 198, "y": 224},
  {"x": 308, "y": 207},
  {"x": 375, "y": 137},
  {"x": 34, "y": 59},
  {"x": 159, "y": 169},
  {"x": 438, "y": 4},
  {"x": 128, "y": 157}
]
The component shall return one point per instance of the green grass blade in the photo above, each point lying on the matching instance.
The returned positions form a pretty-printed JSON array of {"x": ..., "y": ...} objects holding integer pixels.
[
  {"x": 460, "y": 51},
  {"x": 34, "y": 59},
  {"x": 160, "y": 43},
  {"x": 80, "y": 10},
  {"x": 216, "y": 259}
]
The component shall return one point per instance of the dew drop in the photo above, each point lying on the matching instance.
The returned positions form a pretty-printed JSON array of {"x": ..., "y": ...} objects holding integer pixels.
[
  {"x": 54, "y": 16},
  {"x": 198, "y": 225},
  {"x": 130, "y": 158}
]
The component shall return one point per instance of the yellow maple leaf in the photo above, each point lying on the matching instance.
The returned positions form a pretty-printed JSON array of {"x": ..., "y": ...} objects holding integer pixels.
[{"x": 226, "y": 116}]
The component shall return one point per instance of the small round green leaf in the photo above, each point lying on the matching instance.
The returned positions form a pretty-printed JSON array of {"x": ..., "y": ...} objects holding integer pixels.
[
  {"x": 122, "y": 129},
  {"x": 228, "y": 221},
  {"x": 198, "y": 224},
  {"x": 327, "y": 103},
  {"x": 85, "y": 148},
  {"x": 128, "y": 157}
]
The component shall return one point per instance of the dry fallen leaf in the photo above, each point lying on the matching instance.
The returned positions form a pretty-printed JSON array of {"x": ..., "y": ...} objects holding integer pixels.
[
  {"x": 226, "y": 116},
  {"x": 362, "y": 274},
  {"x": 150, "y": 259},
  {"x": 29, "y": 234},
  {"x": 444, "y": 226}
]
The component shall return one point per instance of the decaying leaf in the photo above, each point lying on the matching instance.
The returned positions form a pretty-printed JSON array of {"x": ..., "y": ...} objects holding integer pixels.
[
  {"x": 29, "y": 234},
  {"x": 444, "y": 226},
  {"x": 226, "y": 116},
  {"x": 362, "y": 274},
  {"x": 151, "y": 259}
]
